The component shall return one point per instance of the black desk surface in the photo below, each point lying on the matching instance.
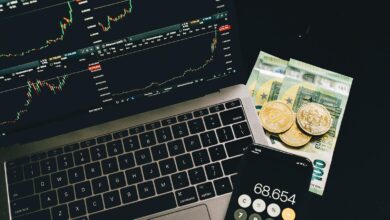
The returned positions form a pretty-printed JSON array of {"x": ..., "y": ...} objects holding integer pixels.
[{"x": 353, "y": 40}]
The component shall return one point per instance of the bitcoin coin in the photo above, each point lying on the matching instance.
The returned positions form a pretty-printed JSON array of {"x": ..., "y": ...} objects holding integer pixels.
[
  {"x": 276, "y": 117},
  {"x": 295, "y": 137},
  {"x": 314, "y": 119}
]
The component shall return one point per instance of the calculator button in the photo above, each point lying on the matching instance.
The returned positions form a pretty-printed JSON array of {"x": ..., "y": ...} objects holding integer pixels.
[
  {"x": 259, "y": 205},
  {"x": 273, "y": 210},
  {"x": 244, "y": 201},
  {"x": 288, "y": 214},
  {"x": 240, "y": 214},
  {"x": 255, "y": 216}
]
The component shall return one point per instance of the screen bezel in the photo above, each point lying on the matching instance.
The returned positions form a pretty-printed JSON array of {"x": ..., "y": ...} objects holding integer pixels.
[{"x": 82, "y": 120}]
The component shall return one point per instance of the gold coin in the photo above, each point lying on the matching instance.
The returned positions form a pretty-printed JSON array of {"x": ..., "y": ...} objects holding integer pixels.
[
  {"x": 276, "y": 117},
  {"x": 314, "y": 119},
  {"x": 295, "y": 137}
]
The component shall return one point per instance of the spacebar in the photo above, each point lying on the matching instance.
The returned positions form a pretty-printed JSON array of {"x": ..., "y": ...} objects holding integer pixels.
[{"x": 139, "y": 209}]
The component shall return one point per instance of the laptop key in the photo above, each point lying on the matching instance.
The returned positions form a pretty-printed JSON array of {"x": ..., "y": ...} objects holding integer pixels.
[
  {"x": 184, "y": 162},
  {"x": 77, "y": 209},
  {"x": 233, "y": 104},
  {"x": 100, "y": 185},
  {"x": 104, "y": 139},
  {"x": 134, "y": 175},
  {"x": 196, "y": 126},
  {"x": 66, "y": 194},
  {"x": 146, "y": 189},
  {"x": 167, "y": 166},
  {"x": 71, "y": 147},
  {"x": 164, "y": 134},
  {"x": 230, "y": 166},
  {"x": 143, "y": 156},
  {"x": 126, "y": 161},
  {"x": 213, "y": 171},
  {"x": 76, "y": 175},
  {"x": 217, "y": 152},
  {"x": 150, "y": 171},
  {"x": 94, "y": 204},
  {"x": 192, "y": 143},
  {"x": 137, "y": 130},
  {"x": 163, "y": 185},
  {"x": 98, "y": 152},
  {"x": 131, "y": 143},
  {"x": 31, "y": 170},
  {"x": 169, "y": 121},
  {"x": 39, "y": 156},
  {"x": 121, "y": 134},
  {"x": 201, "y": 112},
  {"x": 110, "y": 165},
  {"x": 25, "y": 205},
  {"x": 197, "y": 175},
  {"x": 223, "y": 186},
  {"x": 241, "y": 130},
  {"x": 209, "y": 138},
  {"x": 180, "y": 180},
  {"x": 217, "y": 108},
  {"x": 83, "y": 189},
  {"x": 15, "y": 175},
  {"x": 49, "y": 199},
  {"x": 186, "y": 196},
  {"x": 114, "y": 148},
  {"x": 147, "y": 139},
  {"x": 111, "y": 199},
  {"x": 65, "y": 161},
  {"x": 180, "y": 130},
  {"x": 88, "y": 143},
  {"x": 42, "y": 184},
  {"x": 81, "y": 157},
  {"x": 117, "y": 180},
  {"x": 129, "y": 194},
  {"x": 185, "y": 117},
  {"x": 232, "y": 116},
  {"x": 225, "y": 134},
  {"x": 44, "y": 214},
  {"x": 55, "y": 152},
  {"x": 59, "y": 179},
  {"x": 159, "y": 152},
  {"x": 212, "y": 121},
  {"x": 238, "y": 147},
  {"x": 93, "y": 170},
  {"x": 17, "y": 162},
  {"x": 176, "y": 147},
  {"x": 200, "y": 157},
  {"x": 205, "y": 191},
  {"x": 21, "y": 189},
  {"x": 60, "y": 212},
  {"x": 153, "y": 126},
  {"x": 48, "y": 166},
  {"x": 137, "y": 210}
]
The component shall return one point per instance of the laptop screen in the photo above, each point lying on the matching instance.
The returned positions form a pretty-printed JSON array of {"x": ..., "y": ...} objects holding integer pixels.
[{"x": 65, "y": 65}]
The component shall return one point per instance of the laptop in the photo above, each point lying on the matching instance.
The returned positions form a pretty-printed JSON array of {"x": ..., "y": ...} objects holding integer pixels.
[{"x": 121, "y": 109}]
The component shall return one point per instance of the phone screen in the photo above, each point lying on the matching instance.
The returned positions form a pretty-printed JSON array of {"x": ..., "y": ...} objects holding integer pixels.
[{"x": 272, "y": 185}]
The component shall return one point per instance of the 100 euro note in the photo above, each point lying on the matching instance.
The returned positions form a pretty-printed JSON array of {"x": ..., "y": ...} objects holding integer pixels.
[
  {"x": 266, "y": 79},
  {"x": 304, "y": 83}
]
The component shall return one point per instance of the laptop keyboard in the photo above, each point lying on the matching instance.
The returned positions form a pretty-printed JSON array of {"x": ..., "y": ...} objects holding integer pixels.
[{"x": 135, "y": 172}]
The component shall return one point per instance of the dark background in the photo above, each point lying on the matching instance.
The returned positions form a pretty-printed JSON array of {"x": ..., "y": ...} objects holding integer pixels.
[{"x": 351, "y": 39}]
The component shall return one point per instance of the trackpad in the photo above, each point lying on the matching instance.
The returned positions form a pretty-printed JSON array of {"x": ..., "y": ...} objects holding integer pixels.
[{"x": 195, "y": 213}]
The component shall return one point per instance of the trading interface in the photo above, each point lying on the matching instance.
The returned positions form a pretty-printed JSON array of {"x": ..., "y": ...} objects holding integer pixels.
[{"x": 61, "y": 58}]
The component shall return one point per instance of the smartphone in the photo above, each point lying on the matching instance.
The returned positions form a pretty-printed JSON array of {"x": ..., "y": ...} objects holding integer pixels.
[{"x": 271, "y": 185}]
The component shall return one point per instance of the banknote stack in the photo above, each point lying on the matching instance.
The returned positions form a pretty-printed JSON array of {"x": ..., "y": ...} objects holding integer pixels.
[{"x": 301, "y": 108}]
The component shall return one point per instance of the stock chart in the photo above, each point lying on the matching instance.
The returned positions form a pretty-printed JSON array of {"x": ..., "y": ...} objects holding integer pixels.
[{"x": 64, "y": 58}]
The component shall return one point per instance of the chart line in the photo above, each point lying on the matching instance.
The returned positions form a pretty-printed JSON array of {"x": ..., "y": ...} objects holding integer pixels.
[
  {"x": 117, "y": 18},
  {"x": 35, "y": 89},
  {"x": 184, "y": 74},
  {"x": 65, "y": 23}
]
